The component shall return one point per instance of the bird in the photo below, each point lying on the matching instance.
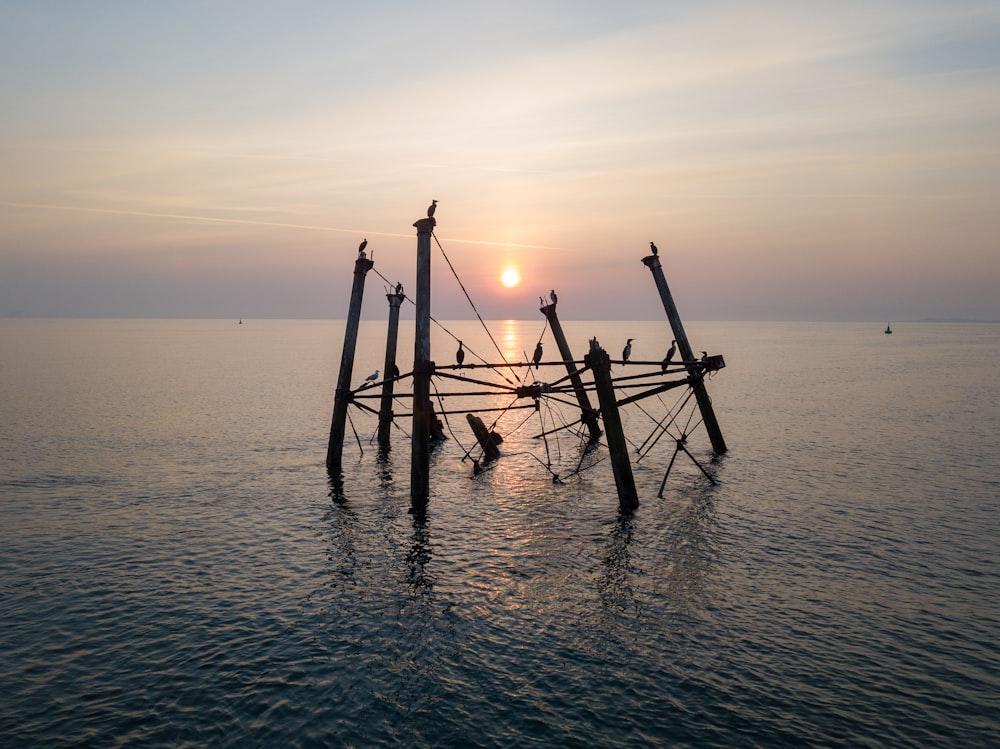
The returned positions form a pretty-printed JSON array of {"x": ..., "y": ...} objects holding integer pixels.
[
  {"x": 541, "y": 301},
  {"x": 399, "y": 289},
  {"x": 704, "y": 355},
  {"x": 431, "y": 208},
  {"x": 537, "y": 357},
  {"x": 653, "y": 248},
  {"x": 627, "y": 351},
  {"x": 669, "y": 357},
  {"x": 361, "y": 247},
  {"x": 395, "y": 370},
  {"x": 552, "y": 294},
  {"x": 460, "y": 354},
  {"x": 372, "y": 377}
]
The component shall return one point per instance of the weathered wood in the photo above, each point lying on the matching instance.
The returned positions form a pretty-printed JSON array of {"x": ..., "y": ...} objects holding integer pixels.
[
  {"x": 483, "y": 436},
  {"x": 388, "y": 384},
  {"x": 423, "y": 368},
  {"x": 600, "y": 363},
  {"x": 684, "y": 349},
  {"x": 587, "y": 413},
  {"x": 342, "y": 396}
]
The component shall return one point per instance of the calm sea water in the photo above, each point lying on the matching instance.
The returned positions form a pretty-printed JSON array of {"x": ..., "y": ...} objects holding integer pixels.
[{"x": 175, "y": 569}]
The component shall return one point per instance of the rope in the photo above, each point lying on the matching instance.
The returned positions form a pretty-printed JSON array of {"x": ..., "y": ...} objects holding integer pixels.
[
  {"x": 436, "y": 322},
  {"x": 471, "y": 303}
]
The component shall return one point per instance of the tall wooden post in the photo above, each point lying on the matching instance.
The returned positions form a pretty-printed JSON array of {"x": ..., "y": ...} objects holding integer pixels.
[
  {"x": 589, "y": 415},
  {"x": 385, "y": 409},
  {"x": 698, "y": 384},
  {"x": 342, "y": 397},
  {"x": 423, "y": 367},
  {"x": 600, "y": 363}
]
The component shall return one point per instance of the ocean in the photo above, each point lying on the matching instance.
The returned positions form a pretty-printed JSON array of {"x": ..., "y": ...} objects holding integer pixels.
[{"x": 177, "y": 569}]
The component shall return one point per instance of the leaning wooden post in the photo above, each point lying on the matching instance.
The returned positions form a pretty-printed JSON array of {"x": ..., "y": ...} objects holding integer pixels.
[
  {"x": 388, "y": 384},
  {"x": 423, "y": 367},
  {"x": 342, "y": 396},
  {"x": 589, "y": 415},
  {"x": 600, "y": 363},
  {"x": 697, "y": 382}
]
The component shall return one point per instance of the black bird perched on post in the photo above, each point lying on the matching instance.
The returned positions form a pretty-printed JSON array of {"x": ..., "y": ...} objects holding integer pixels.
[
  {"x": 627, "y": 351},
  {"x": 653, "y": 248},
  {"x": 669, "y": 357},
  {"x": 431, "y": 208},
  {"x": 538, "y": 355},
  {"x": 552, "y": 294},
  {"x": 395, "y": 370},
  {"x": 361, "y": 247},
  {"x": 460, "y": 354},
  {"x": 704, "y": 355}
]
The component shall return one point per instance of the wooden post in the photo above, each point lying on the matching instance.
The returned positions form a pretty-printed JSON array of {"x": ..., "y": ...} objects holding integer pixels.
[
  {"x": 484, "y": 437},
  {"x": 342, "y": 396},
  {"x": 600, "y": 363},
  {"x": 684, "y": 348},
  {"x": 589, "y": 415},
  {"x": 423, "y": 368},
  {"x": 385, "y": 409}
]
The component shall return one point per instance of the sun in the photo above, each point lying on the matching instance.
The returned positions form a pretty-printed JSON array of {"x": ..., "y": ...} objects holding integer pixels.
[{"x": 510, "y": 277}]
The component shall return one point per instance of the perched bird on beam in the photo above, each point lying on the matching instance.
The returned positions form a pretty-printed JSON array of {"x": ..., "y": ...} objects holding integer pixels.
[
  {"x": 361, "y": 247},
  {"x": 538, "y": 355},
  {"x": 627, "y": 351},
  {"x": 431, "y": 208},
  {"x": 372, "y": 377},
  {"x": 669, "y": 357},
  {"x": 552, "y": 295},
  {"x": 652, "y": 248},
  {"x": 460, "y": 354}
]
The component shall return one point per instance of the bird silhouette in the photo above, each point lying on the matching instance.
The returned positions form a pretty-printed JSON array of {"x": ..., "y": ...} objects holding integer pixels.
[
  {"x": 372, "y": 377},
  {"x": 627, "y": 351},
  {"x": 537, "y": 357},
  {"x": 395, "y": 370},
  {"x": 460, "y": 354},
  {"x": 652, "y": 247},
  {"x": 552, "y": 294},
  {"x": 361, "y": 247},
  {"x": 669, "y": 357},
  {"x": 431, "y": 208},
  {"x": 399, "y": 289},
  {"x": 704, "y": 355}
]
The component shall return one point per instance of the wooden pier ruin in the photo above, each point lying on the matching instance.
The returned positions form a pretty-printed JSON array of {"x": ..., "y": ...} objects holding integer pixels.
[{"x": 602, "y": 424}]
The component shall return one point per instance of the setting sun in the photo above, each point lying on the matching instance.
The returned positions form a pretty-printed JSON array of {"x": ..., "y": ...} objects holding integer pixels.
[{"x": 510, "y": 277}]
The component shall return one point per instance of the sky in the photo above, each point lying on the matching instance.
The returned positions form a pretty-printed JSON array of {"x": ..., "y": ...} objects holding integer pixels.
[{"x": 792, "y": 161}]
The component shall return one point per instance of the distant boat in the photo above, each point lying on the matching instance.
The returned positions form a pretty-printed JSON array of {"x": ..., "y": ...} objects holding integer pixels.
[{"x": 888, "y": 329}]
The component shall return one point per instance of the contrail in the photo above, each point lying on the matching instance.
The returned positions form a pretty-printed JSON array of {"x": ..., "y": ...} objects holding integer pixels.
[{"x": 253, "y": 222}]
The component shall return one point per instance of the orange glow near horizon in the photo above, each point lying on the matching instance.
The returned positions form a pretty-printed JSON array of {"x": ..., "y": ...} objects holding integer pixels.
[{"x": 510, "y": 277}]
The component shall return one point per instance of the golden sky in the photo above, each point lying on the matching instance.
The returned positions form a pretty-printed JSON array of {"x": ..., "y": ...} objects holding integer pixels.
[{"x": 803, "y": 161}]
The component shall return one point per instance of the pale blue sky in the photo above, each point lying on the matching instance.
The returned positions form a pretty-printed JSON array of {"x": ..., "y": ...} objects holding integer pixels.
[{"x": 792, "y": 160}]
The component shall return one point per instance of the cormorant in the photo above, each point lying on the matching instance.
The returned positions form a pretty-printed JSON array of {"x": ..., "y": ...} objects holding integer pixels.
[
  {"x": 399, "y": 289},
  {"x": 361, "y": 247},
  {"x": 395, "y": 370},
  {"x": 704, "y": 355},
  {"x": 538, "y": 355},
  {"x": 669, "y": 357},
  {"x": 627, "y": 351},
  {"x": 431, "y": 208},
  {"x": 460, "y": 354},
  {"x": 653, "y": 248},
  {"x": 541, "y": 301},
  {"x": 372, "y": 377},
  {"x": 553, "y": 295}
]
